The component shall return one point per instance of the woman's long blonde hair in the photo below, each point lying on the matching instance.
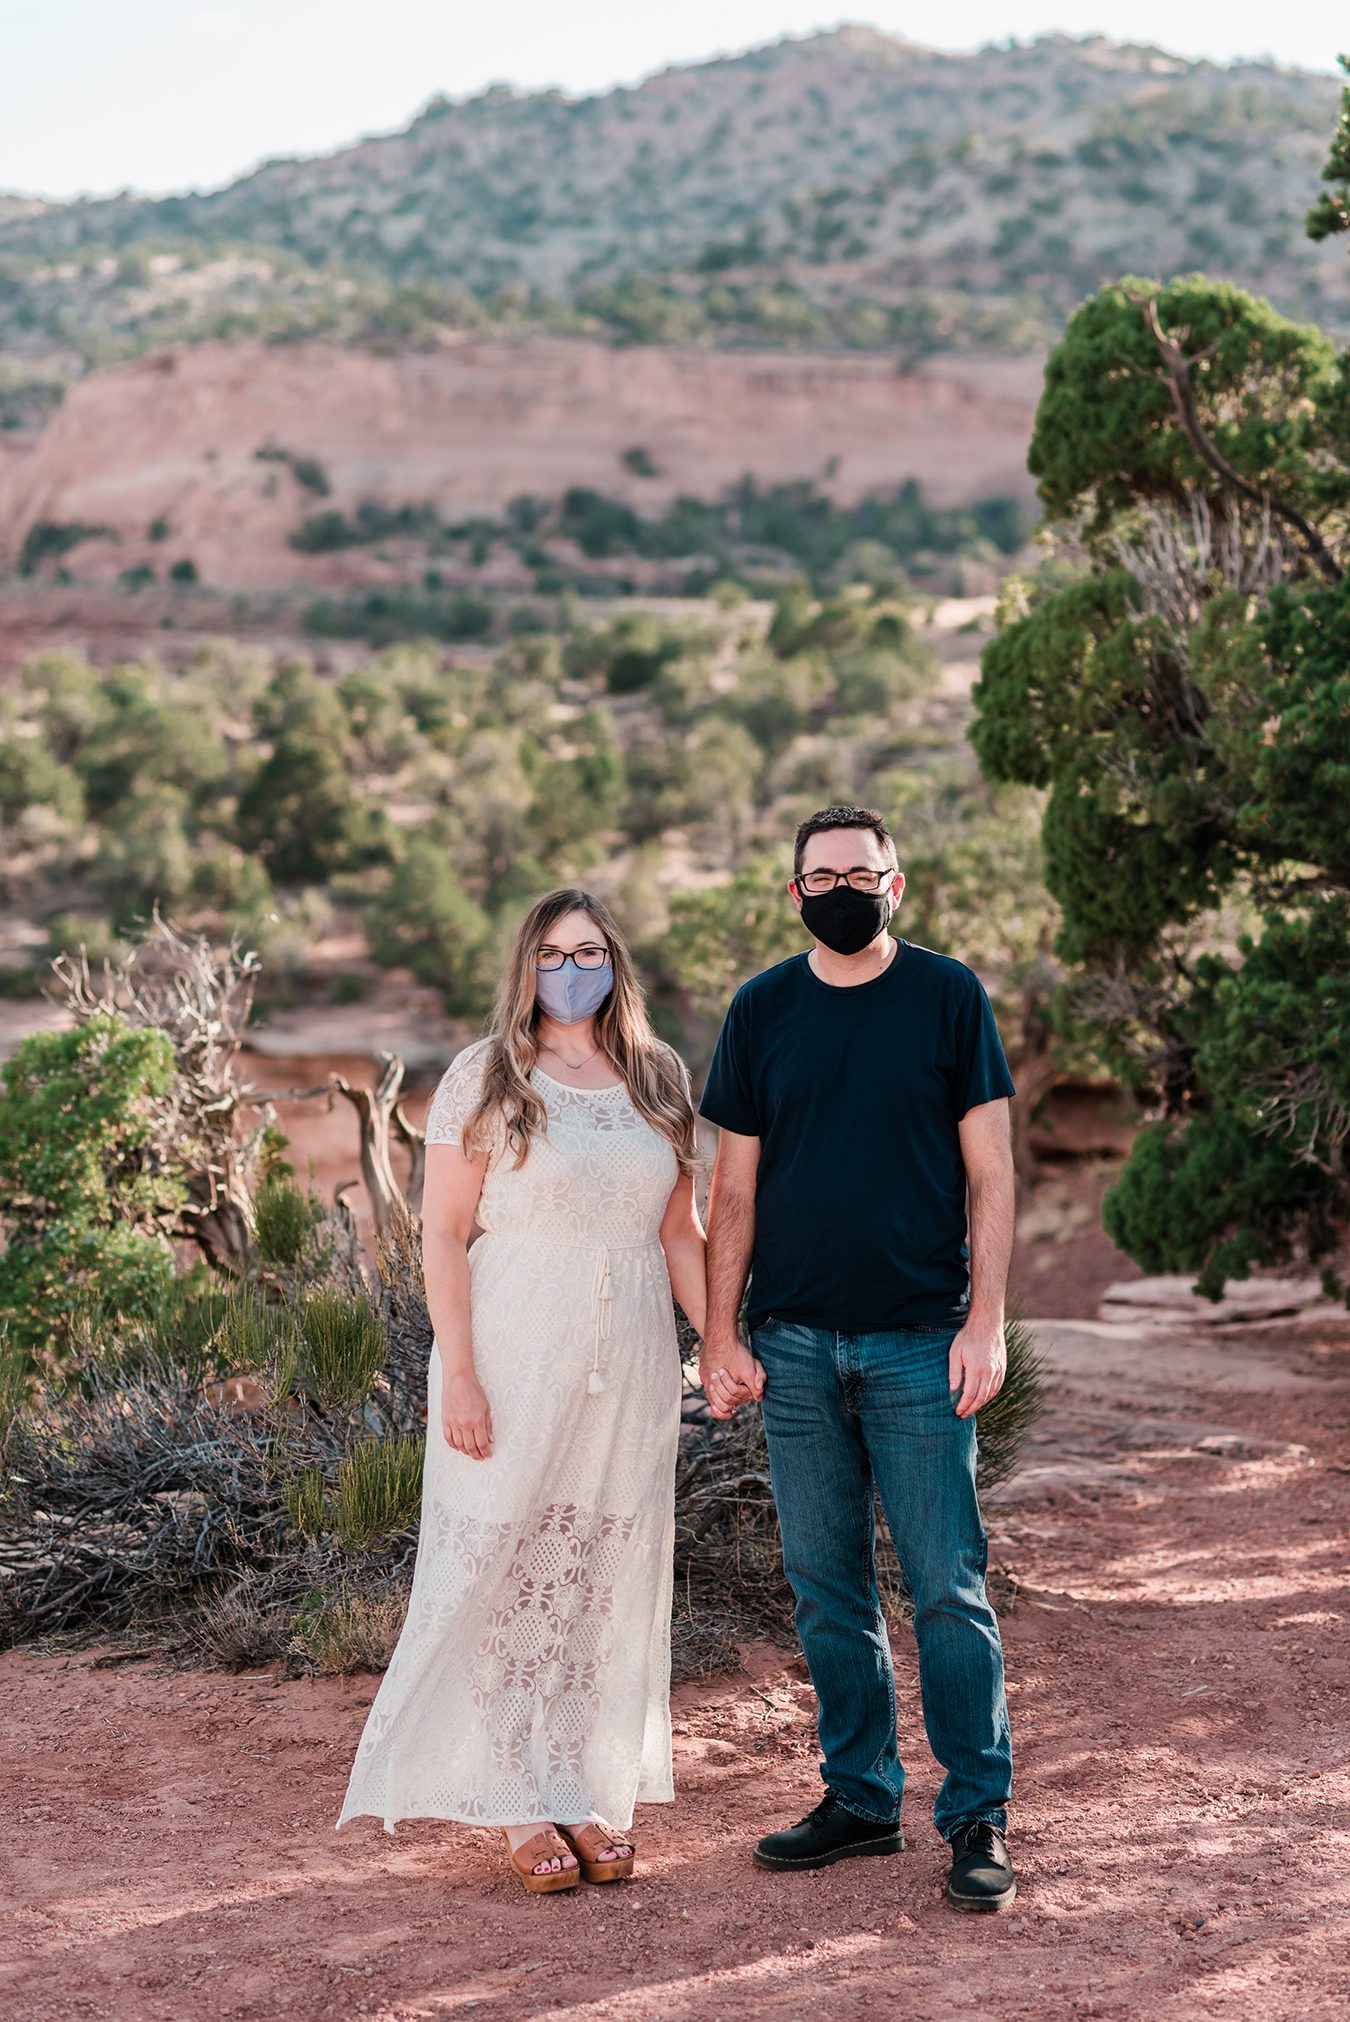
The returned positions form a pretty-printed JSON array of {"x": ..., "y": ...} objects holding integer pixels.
[{"x": 652, "y": 1072}]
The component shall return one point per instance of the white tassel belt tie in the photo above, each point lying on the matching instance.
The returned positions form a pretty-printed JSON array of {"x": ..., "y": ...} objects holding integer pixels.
[
  {"x": 604, "y": 1306},
  {"x": 602, "y": 1291},
  {"x": 604, "y": 1309}
]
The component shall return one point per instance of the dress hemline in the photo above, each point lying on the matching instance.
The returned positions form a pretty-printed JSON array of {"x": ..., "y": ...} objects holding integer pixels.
[{"x": 666, "y": 1796}]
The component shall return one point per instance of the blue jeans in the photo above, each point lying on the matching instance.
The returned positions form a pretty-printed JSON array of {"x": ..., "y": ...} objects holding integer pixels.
[{"x": 842, "y": 1412}]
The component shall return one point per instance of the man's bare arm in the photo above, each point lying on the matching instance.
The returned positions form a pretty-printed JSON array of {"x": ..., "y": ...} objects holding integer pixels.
[
  {"x": 979, "y": 1356},
  {"x": 728, "y": 1371}
]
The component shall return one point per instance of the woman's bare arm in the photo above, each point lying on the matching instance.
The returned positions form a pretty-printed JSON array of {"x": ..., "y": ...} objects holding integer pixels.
[
  {"x": 685, "y": 1247},
  {"x": 450, "y": 1195}
]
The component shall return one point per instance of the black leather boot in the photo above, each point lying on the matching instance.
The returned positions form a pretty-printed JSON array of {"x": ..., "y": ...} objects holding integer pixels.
[
  {"x": 982, "y": 1875},
  {"x": 829, "y": 1833}
]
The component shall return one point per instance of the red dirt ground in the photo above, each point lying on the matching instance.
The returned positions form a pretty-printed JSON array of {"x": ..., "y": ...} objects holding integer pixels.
[{"x": 1178, "y": 1668}]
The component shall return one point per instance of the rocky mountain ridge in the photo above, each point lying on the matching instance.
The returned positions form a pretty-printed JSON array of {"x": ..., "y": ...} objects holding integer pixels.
[{"x": 843, "y": 190}]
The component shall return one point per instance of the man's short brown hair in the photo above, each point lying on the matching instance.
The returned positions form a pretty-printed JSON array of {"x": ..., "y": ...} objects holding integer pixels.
[{"x": 840, "y": 817}]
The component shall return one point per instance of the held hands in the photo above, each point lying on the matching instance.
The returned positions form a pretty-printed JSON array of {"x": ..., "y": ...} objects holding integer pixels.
[
  {"x": 730, "y": 1376},
  {"x": 977, "y": 1364},
  {"x": 466, "y": 1416}
]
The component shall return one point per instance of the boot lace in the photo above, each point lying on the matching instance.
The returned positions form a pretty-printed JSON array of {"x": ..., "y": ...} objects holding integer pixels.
[{"x": 981, "y": 1836}]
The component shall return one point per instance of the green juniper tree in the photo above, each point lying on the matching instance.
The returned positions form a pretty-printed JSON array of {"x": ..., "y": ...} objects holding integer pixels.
[
  {"x": 1331, "y": 212},
  {"x": 1178, "y": 680},
  {"x": 87, "y": 1206}
]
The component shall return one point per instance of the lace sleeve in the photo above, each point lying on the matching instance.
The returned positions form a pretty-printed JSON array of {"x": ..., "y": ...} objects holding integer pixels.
[{"x": 456, "y": 1094}]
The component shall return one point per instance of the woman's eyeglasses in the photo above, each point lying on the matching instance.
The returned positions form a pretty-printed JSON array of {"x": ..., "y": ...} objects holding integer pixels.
[
  {"x": 858, "y": 880},
  {"x": 589, "y": 957}
]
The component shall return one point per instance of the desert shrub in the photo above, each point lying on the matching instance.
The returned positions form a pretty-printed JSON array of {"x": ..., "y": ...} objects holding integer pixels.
[
  {"x": 871, "y": 682},
  {"x": 163, "y": 1490},
  {"x": 146, "y": 736},
  {"x": 231, "y": 880},
  {"x": 720, "y": 935},
  {"x": 19, "y": 979},
  {"x": 307, "y": 1501},
  {"x": 31, "y": 777},
  {"x": 323, "y": 532},
  {"x": 384, "y": 616},
  {"x": 284, "y": 937},
  {"x": 284, "y": 1219},
  {"x": 377, "y": 716},
  {"x": 575, "y": 800},
  {"x": 85, "y": 1204},
  {"x": 130, "y": 1492},
  {"x": 425, "y": 920},
  {"x": 92, "y": 932},
  {"x": 256, "y": 1332},
  {"x": 348, "y": 1628},
  {"x": 182, "y": 1319},
  {"x": 628, "y": 654},
  {"x": 775, "y": 699},
  {"x": 599, "y": 525},
  {"x": 378, "y": 1489},
  {"x": 353, "y": 986},
  {"x": 65, "y": 694},
  {"x": 144, "y": 855},
  {"x": 304, "y": 815},
  {"x": 1006, "y": 1420},
  {"x": 308, "y": 471},
  {"x": 48, "y": 540},
  {"x": 295, "y": 702},
  {"x": 341, "y": 1348}
]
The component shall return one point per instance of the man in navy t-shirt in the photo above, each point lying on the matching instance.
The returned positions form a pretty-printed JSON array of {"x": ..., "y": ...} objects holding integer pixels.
[{"x": 861, "y": 1095}]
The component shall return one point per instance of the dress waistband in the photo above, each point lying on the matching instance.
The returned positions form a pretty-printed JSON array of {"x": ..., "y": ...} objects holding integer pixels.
[
  {"x": 570, "y": 1242},
  {"x": 602, "y": 1287}
]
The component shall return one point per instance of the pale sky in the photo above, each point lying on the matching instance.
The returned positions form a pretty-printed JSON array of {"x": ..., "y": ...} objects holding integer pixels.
[{"x": 164, "y": 95}]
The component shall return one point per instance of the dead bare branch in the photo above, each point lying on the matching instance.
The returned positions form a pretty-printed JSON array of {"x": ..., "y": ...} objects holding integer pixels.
[
  {"x": 209, "y": 1124},
  {"x": 1186, "y": 408},
  {"x": 375, "y": 1108}
]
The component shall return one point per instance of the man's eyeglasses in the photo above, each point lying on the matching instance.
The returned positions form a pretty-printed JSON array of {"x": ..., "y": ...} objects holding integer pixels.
[
  {"x": 589, "y": 957},
  {"x": 859, "y": 880}
]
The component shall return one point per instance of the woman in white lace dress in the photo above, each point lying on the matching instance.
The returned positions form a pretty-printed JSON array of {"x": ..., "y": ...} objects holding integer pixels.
[{"x": 530, "y": 1686}]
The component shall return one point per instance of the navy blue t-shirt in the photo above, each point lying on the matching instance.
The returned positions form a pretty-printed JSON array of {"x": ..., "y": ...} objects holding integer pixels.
[{"x": 855, "y": 1093}]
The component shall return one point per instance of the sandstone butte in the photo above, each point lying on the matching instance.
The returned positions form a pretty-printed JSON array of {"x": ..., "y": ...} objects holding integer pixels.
[{"x": 175, "y": 435}]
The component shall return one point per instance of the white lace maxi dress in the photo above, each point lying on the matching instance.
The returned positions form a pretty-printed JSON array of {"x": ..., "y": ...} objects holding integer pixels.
[{"x": 532, "y": 1677}]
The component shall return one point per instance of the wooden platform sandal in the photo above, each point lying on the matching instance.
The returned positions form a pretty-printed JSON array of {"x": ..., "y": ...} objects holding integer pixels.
[
  {"x": 588, "y": 1842},
  {"x": 546, "y": 1845}
]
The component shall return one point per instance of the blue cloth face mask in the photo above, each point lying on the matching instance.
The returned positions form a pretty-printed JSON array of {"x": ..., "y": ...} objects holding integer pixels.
[{"x": 570, "y": 994}]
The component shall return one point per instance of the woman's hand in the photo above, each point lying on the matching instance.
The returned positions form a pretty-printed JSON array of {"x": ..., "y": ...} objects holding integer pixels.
[
  {"x": 466, "y": 1416},
  {"x": 731, "y": 1376}
]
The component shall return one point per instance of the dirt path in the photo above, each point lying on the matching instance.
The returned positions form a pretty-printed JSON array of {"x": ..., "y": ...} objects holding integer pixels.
[{"x": 1178, "y": 1668}]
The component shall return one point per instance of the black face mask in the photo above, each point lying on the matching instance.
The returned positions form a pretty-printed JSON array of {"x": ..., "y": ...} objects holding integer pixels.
[{"x": 846, "y": 920}]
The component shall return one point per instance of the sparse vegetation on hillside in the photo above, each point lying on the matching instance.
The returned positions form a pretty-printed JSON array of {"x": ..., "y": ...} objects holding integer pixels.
[
  {"x": 758, "y": 535},
  {"x": 423, "y": 799},
  {"x": 841, "y": 190}
]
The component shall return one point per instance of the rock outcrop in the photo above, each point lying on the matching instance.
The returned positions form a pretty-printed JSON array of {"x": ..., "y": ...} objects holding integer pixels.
[{"x": 174, "y": 439}]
